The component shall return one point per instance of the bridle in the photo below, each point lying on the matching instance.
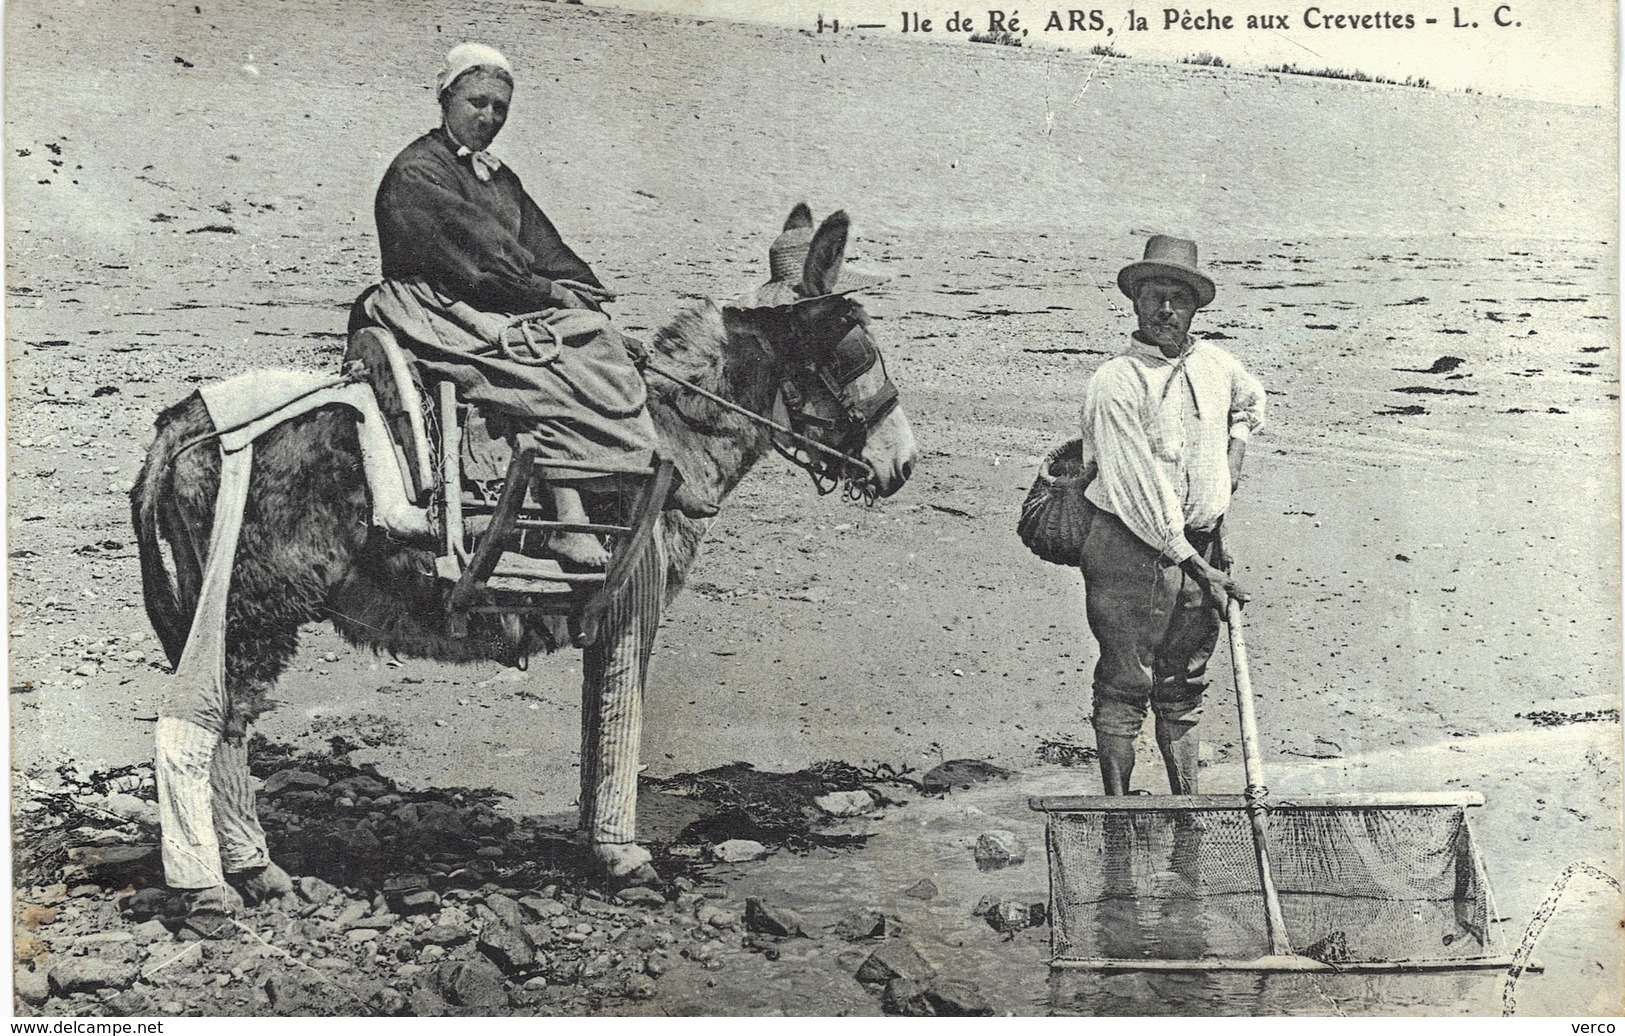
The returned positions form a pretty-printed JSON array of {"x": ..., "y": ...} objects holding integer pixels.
[{"x": 819, "y": 424}]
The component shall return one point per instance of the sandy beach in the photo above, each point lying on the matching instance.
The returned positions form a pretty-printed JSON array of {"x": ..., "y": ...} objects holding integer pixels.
[{"x": 1424, "y": 281}]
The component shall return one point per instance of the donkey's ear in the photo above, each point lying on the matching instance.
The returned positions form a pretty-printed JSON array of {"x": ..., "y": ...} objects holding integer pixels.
[
  {"x": 800, "y": 216},
  {"x": 824, "y": 258}
]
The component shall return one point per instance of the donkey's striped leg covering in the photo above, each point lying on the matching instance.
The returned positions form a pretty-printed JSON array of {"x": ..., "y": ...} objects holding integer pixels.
[
  {"x": 612, "y": 673},
  {"x": 191, "y": 852},
  {"x": 236, "y": 816},
  {"x": 206, "y": 809},
  {"x": 205, "y": 798}
]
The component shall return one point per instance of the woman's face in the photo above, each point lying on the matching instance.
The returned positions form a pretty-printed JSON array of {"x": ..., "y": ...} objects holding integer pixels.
[{"x": 475, "y": 108}]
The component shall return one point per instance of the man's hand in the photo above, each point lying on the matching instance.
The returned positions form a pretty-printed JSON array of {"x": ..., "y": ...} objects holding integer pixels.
[
  {"x": 1237, "y": 454},
  {"x": 1218, "y": 586}
]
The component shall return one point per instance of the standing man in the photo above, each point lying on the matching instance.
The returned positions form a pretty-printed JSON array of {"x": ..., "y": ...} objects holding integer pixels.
[{"x": 1167, "y": 422}]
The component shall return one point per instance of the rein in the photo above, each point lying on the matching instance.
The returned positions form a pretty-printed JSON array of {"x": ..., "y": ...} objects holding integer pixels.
[{"x": 855, "y": 490}]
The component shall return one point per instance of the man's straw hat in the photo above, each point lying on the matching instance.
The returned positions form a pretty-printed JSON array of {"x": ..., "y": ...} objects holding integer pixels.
[{"x": 1170, "y": 257}]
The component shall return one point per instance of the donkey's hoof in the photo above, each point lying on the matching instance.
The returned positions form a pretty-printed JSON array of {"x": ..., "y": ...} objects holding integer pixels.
[
  {"x": 626, "y": 865},
  {"x": 208, "y": 912},
  {"x": 261, "y": 884}
]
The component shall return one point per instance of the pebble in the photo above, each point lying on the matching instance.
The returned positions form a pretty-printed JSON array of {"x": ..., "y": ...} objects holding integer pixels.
[
  {"x": 641, "y": 896},
  {"x": 34, "y": 987},
  {"x": 846, "y": 803},
  {"x": 999, "y": 849},
  {"x": 150, "y": 931},
  {"x": 283, "y": 780},
  {"x": 738, "y": 850},
  {"x": 925, "y": 888},
  {"x": 543, "y": 909},
  {"x": 353, "y": 911},
  {"x": 89, "y": 974},
  {"x": 895, "y": 959},
  {"x": 772, "y": 919},
  {"x": 471, "y": 983}
]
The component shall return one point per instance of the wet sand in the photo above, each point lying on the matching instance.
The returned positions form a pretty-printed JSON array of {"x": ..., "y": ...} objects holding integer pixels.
[{"x": 1434, "y": 544}]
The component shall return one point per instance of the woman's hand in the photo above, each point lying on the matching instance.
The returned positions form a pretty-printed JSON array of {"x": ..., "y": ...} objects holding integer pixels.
[{"x": 590, "y": 292}]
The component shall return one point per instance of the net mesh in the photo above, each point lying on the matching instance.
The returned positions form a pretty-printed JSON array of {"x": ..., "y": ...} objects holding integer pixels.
[{"x": 1356, "y": 883}]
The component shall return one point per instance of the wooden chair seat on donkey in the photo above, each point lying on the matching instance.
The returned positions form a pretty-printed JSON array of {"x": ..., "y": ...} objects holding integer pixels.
[{"x": 482, "y": 490}]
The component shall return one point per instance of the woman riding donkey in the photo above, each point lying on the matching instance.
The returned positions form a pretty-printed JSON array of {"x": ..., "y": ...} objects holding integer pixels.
[{"x": 468, "y": 259}]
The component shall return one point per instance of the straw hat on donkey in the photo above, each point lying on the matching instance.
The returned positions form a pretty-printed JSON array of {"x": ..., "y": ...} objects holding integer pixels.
[
  {"x": 787, "y": 263},
  {"x": 1173, "y": 258}
]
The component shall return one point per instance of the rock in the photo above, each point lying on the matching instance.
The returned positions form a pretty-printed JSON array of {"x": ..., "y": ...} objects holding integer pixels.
[
  {"x": 361, "y": 934},
  {"x": 504, "y": 908},
  {"x": 640, "y": 987},
  {"x": 721, "y": 918},
  {"x": 444, "y": 935},
  {"x": 144, "y": 903},
  {"x": 867, "y": 924},
  {"x": 846, "y": 803},
  {"x": 129, "y": 807},
  {"x": 152, "y": 930},
  {"x": 906, "y": 997},
  {"x": 314, "y": 890},
  {"x": 737, "y": 850},
  {"x": 506, "y": 944},
  {"x": 426, "y": 1003},
  {"x": 89, "y": 974},
  {"x": 471, "y": 983},
  {"x": 388, "y": 1002},
  {"x": 378, "y": 922},
  {"x": 32, "y": 987},
  {"x": 770, "y": 919},
  {"x": 208, "y": 926},
  {"x": 925, "y": 888},
  {"x": 432, "y": 823},
  {"x": 996, "y": 849},
  {"x": 949, "y": 998},
  {"x": 284, "y": 780},
  {"x": 895, "y": 959},
  {"x": 639, "y": 895},
  {"x": 354, "y": 842},
  {"x": 424, "y": 901},
  {"x": 983, "y": 905},
  {"x": 599, "y": 908},
  {"x": 960, "y": 773},
  {"x": 542, "y": 908},
  {"x": 636, "y": 939},
  {"x": 1009, "y": 915},
  {"x": 353, "y": 911},
  {"x": 131, "y": 1002},
  {"x": 398, "y": 886},
  {"x": 113, "y": 866},
  {"x": 509, "y": 948},
  {"x": 359, "y": 785},
  {"x": 850, "y": 959}
]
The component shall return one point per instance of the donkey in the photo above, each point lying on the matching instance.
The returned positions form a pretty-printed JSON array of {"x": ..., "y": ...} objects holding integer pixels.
[{"x": 307, "y": 552}]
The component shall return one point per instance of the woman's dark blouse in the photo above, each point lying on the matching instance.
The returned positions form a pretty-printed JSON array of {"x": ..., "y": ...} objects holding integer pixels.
[{"x": 480, "y": 242}]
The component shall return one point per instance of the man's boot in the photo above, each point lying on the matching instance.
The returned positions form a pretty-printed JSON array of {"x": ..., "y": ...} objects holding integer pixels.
[
  {"x": 1116, "y": 762},
  {"x": 1181, "y": 750}
]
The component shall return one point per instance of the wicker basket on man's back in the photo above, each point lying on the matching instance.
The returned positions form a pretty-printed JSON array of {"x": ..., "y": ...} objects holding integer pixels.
[{"x": 1055, "y": 517}]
